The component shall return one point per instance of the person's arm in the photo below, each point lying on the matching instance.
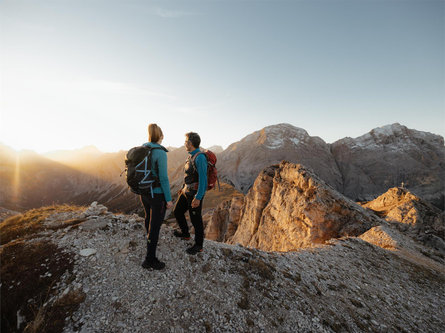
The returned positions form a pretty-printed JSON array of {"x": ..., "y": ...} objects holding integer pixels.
[
  {"x": 201, "y": 166},
  {"x": 163, "y": 175}
]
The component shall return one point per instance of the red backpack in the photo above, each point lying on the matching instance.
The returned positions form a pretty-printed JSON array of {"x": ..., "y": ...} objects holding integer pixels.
[{"x": 212, "y": 173}]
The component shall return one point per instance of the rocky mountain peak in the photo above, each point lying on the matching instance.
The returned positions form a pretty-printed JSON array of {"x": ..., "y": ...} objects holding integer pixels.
[
  {"x": 276, "y": 136},
  {"x": 216, "y": 149},
  {"x": 288, "y": 208},
  {"x": 392, "y": 135},
  {"x": 242, "y": 161},
  {"x": 389, "y": 156}
]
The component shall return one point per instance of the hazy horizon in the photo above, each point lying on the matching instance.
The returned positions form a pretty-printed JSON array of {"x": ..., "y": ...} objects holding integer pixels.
[{"x": 76, "y": 73}]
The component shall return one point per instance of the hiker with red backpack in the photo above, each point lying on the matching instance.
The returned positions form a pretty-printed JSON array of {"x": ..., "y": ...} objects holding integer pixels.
[{"x": 192, "y": 193}]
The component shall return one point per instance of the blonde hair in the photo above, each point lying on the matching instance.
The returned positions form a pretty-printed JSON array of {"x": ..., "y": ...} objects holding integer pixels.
[{"x": 154, "y": 133}]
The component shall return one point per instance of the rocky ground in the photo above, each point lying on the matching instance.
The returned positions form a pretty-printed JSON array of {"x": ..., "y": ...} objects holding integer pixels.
[{"x": 346, "y": 285}]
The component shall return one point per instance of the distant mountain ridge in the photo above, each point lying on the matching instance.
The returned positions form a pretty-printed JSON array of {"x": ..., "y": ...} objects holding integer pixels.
[
  {"x": 29, "y": 180},
  {"x": 242, "y": 161},
  {"x": 389, "y": 156},
  {"x": 361, "y": 168}
]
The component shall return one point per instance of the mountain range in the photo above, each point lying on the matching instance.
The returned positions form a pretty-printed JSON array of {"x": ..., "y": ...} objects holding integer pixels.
[{"x": 360, "y": 168}]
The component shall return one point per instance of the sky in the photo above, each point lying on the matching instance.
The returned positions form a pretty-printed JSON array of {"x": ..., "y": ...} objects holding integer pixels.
[{"x": 97, "y": 72}]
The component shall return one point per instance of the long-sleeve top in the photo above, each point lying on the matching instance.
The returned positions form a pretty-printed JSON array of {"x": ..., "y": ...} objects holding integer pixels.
[
  {"x": 201, "y": 167},
  {"x": 159, "y": 169}
]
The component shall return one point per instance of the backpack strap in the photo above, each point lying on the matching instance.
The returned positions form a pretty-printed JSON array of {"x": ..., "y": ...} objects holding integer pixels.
[
  {"x": 193, "y": 158},
  {"x": 150, "y": 149}
]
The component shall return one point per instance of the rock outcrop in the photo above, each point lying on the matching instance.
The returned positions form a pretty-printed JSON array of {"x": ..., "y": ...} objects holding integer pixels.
[
  {"x": 412, "y": 215},
  {"x": 224, "y": 220},
  {"x": 289, "y": 208},
  {"x": 389, "y": 155},
  {"x": 242, "y": 161}
]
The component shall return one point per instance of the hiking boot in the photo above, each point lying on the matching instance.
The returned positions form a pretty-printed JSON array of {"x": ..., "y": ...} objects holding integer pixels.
[
  {"x": 194, "y": 249},
  {"x": 181, "y": 235},
  {"x": 154, "y": 264}
]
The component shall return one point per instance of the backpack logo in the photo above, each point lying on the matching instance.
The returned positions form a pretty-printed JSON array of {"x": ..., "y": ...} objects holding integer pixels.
[
  {"x": 139, "y": 175},
  {"x": 143, "y": 168}
]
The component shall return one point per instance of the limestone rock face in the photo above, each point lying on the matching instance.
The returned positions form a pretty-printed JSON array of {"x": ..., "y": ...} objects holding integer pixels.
[
  {"x": 242, "y": 161},
  {"x": 225, "y": 219},
  {"x": 289, "y": 207},
  {"x": 389, "y": 155},
  {"x": 411, "y": 214}
]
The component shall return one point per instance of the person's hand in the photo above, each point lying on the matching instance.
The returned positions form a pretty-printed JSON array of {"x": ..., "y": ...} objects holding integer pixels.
[
  {"x": 195, "y": 203},
  {"x": 169, "y": 205}
]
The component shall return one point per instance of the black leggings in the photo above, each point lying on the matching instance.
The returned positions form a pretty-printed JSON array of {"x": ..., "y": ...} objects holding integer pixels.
[
  {"x": 184, "y": 204},
  {"x": 154, "y": 216}
]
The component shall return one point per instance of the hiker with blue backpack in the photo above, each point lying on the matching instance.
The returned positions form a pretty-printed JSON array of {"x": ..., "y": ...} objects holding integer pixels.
[
  {"x": 192, "y": 193},
  {"x": 147, "y": 176}
]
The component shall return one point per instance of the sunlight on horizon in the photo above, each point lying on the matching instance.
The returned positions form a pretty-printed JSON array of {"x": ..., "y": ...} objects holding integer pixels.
[{"x": 16, "y": 180}]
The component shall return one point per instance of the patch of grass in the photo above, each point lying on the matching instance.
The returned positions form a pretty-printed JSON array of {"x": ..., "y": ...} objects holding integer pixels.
[
  {"x": 207, "y": 326},
  {"x": 335, "y": 321},
  {"x": 29, "y": 272},
  {"x": 51, "y": 318},
  {"x": 227, "y": 252},
  {"x": 296, "y": 277},
  {"x": 206, "y": 267},
  {"x": 244, "y": 302},
  {"x": 356, "y": 302},
  {"x": 31, "y": 222},
  {"x": 250, "y": 322},
  {"x": 261, "y": 268}
]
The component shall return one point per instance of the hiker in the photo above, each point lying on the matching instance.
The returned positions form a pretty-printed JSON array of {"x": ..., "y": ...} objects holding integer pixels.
[
  {"x": 192, "y": 193},
  {"x": 155, "y": 203}
]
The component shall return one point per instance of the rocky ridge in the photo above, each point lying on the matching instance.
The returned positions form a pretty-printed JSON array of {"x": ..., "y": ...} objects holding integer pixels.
[
  {"x": 389, "y": 156},
  {"x": 360, "y": 168},
  {"x": 345, "y": 285},
  {"x": 411, "y": 215},
  {"x": 289, "y": 207}
]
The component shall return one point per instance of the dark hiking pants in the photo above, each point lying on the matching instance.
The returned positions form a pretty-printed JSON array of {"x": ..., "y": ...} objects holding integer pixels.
[
  {"x": 184, "y": 204},
  {"x": 154, "y": 216}
]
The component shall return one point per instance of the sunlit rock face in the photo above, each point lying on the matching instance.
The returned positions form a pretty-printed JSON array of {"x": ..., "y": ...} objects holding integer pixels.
[
  {"x": 242, "y": 161},
  {"x": 389, "y": 155},
  {"x": 289, "y": 207},
  {"x": 409, "y": 213}
]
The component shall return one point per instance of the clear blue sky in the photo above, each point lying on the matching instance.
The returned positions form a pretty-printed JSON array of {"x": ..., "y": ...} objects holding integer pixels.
[{"x": 75, "y": 72}]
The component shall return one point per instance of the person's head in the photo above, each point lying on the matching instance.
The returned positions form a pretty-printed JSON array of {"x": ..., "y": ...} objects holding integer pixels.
[
  {"x": 192, "y": 141},
  {"x": 155, "y": 133}
]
